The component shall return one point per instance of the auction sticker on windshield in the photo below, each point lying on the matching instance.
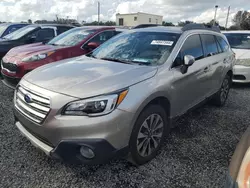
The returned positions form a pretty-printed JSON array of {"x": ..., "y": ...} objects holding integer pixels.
[{"x": 162, "y": 42}]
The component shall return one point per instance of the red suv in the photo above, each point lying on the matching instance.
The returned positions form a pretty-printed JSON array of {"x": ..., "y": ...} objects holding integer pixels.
[{"x": 75, "y": 42}]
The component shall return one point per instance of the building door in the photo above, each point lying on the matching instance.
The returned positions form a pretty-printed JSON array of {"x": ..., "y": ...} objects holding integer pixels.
[{"x": 121, "y": 21}]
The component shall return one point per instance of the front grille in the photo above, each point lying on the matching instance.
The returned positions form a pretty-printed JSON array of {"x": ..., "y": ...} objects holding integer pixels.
[
  {"x": 34, "y": 106},
  {"x": 10, "y": 66}
]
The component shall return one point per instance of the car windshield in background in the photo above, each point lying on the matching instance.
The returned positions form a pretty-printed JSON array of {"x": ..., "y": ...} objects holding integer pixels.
[
  {"x": 71, "y": 37},
  {"x": 20, "y": 33},
  {"x": 239, "y": 40},
  {"x": 147, "y": 48},
  {"x": 3, "y": 28}
]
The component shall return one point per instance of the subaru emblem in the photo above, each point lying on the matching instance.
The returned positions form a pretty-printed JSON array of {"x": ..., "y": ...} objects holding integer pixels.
[{"x": 27, "y": 98}]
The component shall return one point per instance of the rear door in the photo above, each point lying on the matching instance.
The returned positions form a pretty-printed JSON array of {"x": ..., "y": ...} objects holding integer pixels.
[{"x": 214, "y": 60}]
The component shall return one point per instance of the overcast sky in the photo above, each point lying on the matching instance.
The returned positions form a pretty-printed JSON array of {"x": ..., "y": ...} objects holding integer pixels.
[{"x": 172, "y": 10}]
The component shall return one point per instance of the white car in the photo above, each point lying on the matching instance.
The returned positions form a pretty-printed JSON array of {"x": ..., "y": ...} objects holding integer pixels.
[{"x": 240, "y": 44}]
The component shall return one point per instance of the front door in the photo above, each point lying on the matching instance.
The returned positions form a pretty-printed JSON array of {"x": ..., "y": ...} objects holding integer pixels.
[{"x": 189, "y": 89}]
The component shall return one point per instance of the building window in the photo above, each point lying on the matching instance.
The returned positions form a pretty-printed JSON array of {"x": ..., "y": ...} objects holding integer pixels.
[
  {"x": 156, "y": 21},
  {"x": 149, "y": 20},
  {"x": 135, "y": 18}
]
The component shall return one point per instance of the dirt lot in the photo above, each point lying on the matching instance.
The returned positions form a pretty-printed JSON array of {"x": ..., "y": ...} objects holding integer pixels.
[{"x": 195, "y": 155}]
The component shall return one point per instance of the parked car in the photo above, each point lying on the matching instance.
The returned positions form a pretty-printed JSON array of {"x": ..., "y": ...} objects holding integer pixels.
[
  {"x": 7, "y": 28},
  {"x": 240, "y": 43},
  {"x": 239, "y": 169},
  {"x": 75, "y": 42},
  {"x": 121, "y": 98},
  {"x": 30, "y": 34}
]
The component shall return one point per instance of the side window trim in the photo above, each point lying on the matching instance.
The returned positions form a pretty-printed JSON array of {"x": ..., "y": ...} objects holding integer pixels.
[{"x": 82, "y": 47}]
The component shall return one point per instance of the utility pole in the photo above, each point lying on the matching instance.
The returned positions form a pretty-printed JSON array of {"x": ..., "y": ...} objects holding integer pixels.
[
  {"x": 215, "y": 14},
  {"x": 227, "y": 17},
  {"x": 98, "y": 12}
]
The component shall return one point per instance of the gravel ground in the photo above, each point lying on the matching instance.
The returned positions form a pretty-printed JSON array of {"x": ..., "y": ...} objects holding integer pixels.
[{"x": 196, "y": 153}]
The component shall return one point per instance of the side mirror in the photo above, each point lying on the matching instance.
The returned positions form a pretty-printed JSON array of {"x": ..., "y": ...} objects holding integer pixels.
[
  {"x": 92, "y": 45},
  {"x": 188, "y": 61},
  {"x": 31, "y": 39}
]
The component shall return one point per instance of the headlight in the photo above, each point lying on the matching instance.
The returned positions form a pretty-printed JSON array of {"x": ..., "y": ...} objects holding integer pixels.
[
  {"x": 243, "y": 178},
  {"x": 96, "y": 106},
  {"x": 245, "y": 62},
  {"x": 37, "y": 57}
]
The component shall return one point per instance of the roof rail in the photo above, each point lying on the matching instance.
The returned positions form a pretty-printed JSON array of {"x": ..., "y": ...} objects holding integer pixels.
[
  {"x": 145, "y": 26},
  {"x": 201, "y": 26}
]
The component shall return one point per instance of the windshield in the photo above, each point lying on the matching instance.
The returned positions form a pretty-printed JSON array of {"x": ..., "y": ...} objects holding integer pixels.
[
  {"x": 3, "y": 28},
  {"x": 147, "y": 48},
  {"x": 20, "y": 33},
  {"x": 239, "y": 40},
  {"x": 71, "y": 37}
]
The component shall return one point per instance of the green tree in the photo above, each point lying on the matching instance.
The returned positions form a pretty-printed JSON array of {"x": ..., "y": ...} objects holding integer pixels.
[
  {"x": 181, "y": 24},
  {"x": 167, "y": 23},
  {"x": 29, "y": 21},
  {"x": 242, "y": 20}
]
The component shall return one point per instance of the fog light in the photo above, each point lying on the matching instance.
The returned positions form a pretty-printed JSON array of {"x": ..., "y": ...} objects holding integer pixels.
[{"x": 87, "y": 152}]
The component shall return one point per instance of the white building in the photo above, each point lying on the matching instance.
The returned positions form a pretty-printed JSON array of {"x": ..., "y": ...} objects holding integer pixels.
[{"x": 137, "y": 19}]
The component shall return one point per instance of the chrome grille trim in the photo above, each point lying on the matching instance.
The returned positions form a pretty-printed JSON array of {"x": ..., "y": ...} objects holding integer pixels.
[
  {"x": 37, "y": 109},
  {"x": 35, "y": 97}
]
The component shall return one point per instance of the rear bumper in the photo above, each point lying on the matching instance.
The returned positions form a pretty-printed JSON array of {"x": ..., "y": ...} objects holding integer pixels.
[
  {"x": 241, "y": 74},
  {"x": 69, "y": 150}
]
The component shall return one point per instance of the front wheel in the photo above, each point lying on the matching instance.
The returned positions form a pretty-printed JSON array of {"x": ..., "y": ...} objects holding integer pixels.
[
  {"x": 148, "y": 135},
  {"x": 221, "y": 96}
]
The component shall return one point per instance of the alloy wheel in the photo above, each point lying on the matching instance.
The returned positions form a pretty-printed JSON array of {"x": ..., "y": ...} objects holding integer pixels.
[{"x": 150, "y": 135}]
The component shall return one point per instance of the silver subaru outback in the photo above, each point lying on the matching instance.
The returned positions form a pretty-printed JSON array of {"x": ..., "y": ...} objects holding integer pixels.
[{"x": 120, "y": 99}]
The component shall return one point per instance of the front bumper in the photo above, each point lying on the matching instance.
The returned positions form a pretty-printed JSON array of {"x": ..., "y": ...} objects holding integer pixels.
[
  {"x": 69, "y": 150},
  {"x": 10, "y": 82},
  {"x": 241, "y": 74}
]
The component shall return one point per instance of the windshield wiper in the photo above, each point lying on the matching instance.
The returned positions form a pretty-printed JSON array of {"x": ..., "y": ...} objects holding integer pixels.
[{"x": 116, "y": 60}]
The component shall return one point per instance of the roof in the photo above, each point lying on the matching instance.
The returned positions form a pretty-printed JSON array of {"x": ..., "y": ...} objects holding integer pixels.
[
  {"x": 170, "y": 29},
  {"x": 14, "y": 24},
  {"x": 140, "y": 13},
  {"x": 161, "y": 29},
  {"x": 237, "y": 31},
  {"x": 55, "y": 25},
  {"x": 98, "y": 27}
]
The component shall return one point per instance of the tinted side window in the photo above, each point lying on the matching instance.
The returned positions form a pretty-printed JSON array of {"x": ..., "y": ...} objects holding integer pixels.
[
  {"x": 45, "y": 34},
  {"x": 61, "y": 30},
  {"x": 102, "y": 37},
  {"x": 223, "y": 44},
  {"x": 210, "y": 45},
  {"x": 192, "y": 46}
]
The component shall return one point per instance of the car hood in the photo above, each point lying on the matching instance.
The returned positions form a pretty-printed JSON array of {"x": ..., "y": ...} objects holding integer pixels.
[
  {"x": 31, "y": 49},
  {"x": 84, "y": 77},
  {"x": 242, "y": 53}
]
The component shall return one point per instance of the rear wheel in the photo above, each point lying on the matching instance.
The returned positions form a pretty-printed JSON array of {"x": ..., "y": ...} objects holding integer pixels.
[
  {"x": 221, "y": 96},
  {"x": 148, "y": 135}
]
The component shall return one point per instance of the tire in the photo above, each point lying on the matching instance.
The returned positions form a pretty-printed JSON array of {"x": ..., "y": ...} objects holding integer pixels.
[
  {"x": 221, "y": 96},
  {"x": 139, "y": 148}
]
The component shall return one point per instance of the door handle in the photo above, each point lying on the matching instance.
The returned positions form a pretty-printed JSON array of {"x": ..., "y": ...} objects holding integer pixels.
[
  {"x": 206, "y": 69},
  {"x": 215, "y": 63}
]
